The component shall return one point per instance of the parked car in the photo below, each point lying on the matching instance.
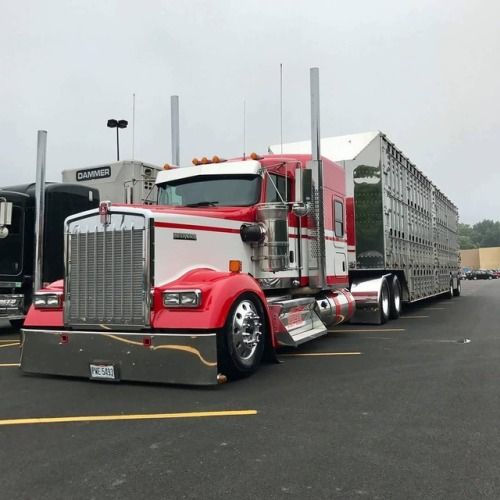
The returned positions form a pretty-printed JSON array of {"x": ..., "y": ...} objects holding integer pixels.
[
  {"x": 495, "y": 273},
  {"x": 480, "y": 275}
]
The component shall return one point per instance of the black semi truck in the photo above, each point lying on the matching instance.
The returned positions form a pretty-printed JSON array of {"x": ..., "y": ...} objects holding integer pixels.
[{"x": 17, "y": 240}]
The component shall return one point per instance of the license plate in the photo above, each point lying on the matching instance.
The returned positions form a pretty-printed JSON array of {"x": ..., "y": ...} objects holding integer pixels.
[{"x": 102, "y": 372}]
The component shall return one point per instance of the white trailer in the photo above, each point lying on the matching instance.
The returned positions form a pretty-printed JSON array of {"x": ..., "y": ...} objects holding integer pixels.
[{"x": 129, "y": 181}]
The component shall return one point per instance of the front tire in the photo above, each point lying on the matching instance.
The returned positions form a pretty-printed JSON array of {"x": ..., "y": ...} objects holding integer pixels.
[{"x": 241, "y": 342}]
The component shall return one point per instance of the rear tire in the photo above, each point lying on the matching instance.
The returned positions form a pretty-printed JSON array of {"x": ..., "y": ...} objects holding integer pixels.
[
  {"x": 384, "y": 302},
  {"x": 451, "y": 291},
  {"x": 457, "y": 291},
  {"x": 240, "y": 344},
  {"x": 395, "y": 309},
  {"x": 17, "y": 324}
]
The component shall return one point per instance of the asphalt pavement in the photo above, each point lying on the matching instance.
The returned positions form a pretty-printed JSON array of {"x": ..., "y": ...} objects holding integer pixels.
[{"x": 406, "y": 410}]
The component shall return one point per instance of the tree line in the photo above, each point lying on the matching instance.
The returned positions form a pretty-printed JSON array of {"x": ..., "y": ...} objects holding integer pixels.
[{"x": 482, "y": 234}]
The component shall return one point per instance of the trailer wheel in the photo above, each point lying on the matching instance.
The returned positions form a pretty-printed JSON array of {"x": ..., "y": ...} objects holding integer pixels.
[
  {"x": 384, "y": 302},
  {"x": 457, "y": 291},
  {"x": 17, "y": 324},
  {"x": 451, "y": 291},
  {"x": 241, "y": 343},
  {"x": 395, "y": 309}
]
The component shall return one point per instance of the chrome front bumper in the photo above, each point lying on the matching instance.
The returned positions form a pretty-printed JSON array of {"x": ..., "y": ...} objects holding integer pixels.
[{"x": 174, "y": 358}]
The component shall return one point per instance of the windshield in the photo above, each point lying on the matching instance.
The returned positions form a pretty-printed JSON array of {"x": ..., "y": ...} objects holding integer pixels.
[
  {"x": 11, "y": 247},
  {"x": 213, "y": 190}
]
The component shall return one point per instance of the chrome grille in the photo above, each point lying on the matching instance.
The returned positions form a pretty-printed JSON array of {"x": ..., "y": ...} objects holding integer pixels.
[{"x": 107, "y": 278}]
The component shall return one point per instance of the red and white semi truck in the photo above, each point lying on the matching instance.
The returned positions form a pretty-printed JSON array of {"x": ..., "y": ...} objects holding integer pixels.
[{"x": 238, "y": 258}]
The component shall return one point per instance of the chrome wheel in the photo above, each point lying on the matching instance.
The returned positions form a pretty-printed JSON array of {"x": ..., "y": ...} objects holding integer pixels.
[
  {"x": 241, "y": 343},
  {"x": 246, "y": 330}
]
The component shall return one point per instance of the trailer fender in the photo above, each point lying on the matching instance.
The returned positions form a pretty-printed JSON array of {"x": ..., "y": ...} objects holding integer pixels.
[
  {"x": 219, "y": 290},
  {"x": 46, "y": 317}
]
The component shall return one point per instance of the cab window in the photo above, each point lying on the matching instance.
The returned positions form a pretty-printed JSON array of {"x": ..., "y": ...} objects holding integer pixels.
[
  {"x": 277, "y": 184},
  {"x": 339, "y": 218}
]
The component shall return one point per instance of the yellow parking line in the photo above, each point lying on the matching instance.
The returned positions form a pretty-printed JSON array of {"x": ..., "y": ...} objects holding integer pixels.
[
  {"x": 366, "y": 330},
  {"x": 323, "y": 354},
  {"x": 8, "y": 340},
  {"x": 147, "y": 416},
  {"x": 10, "y": 345},
  {"x": 7, "y": 365}
]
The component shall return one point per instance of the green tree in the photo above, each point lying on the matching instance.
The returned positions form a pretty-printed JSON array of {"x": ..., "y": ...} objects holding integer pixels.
[
  {"x": 482, "y": 234},
  {"x": 466, "y": 237},
  {"x": 487, "y": 233}
]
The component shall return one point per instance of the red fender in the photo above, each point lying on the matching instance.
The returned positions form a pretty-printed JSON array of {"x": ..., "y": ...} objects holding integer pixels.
[
  {"x": 46, "y": 317},
  {"x": 219, "y": 290}
]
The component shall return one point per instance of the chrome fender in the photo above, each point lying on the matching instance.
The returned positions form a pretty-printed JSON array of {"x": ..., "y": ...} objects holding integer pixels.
[{"x": 366, "y": 293}]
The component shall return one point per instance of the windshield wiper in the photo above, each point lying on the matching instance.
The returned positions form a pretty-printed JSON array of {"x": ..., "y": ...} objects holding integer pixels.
[{"x": 202, "y": 204}]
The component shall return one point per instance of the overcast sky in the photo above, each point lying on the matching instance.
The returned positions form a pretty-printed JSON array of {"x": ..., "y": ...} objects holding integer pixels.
[{"x": 425, "y": 72}]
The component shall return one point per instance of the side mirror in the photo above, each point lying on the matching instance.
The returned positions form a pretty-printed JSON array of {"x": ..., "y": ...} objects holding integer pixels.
[
  {"x": 5, "y": 212},
  {"x": 303, "y": 191}
]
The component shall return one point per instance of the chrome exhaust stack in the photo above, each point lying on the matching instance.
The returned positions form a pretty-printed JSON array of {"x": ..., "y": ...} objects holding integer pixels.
[{"x": 317, "y": 252}]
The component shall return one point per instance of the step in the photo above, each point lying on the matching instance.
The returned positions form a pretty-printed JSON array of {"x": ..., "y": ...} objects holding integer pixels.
[{"x": 300, "y": 321}]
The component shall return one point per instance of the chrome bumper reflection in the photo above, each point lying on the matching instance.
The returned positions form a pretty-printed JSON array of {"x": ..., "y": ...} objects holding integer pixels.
[{"x": 154, "y": 357}]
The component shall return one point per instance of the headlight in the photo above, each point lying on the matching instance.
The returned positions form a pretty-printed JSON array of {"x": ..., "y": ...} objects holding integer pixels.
[
  {"x": 8, "y": 302},
  {"x": 47, "y": 300},
  {"x": 182, "y": 298}
]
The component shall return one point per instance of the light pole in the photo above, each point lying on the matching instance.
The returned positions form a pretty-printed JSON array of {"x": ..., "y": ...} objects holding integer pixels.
[{"x": 117, "y": 124}]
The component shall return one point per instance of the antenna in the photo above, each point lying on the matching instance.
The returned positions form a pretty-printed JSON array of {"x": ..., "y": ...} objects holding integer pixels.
[
  {"x": 133, "y": 126},
  {"x": 281, "y": 107},
  {"x": 174, "y": 128},
  {"x": 244, "y": 129}
]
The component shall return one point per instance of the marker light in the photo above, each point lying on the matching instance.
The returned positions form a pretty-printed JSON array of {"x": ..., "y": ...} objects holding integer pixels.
[
  {"x": 166, "y": 166},
  {"x": 182, "y": 298},
  {"x": 195, "y": 161},
  {"x": 205, "y": 161},
  {"x": 217, "y": 159},
  {"x": 44, "y": 300},
  {"x": 235, "y": 266},
  {"x": 255, "y": 156}
]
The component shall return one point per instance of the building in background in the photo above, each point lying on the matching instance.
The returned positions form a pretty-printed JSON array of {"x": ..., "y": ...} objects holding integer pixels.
[{"x": 481, "y": 258}]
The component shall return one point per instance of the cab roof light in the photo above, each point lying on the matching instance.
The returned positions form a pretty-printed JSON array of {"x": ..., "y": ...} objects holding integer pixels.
[
  {"x": 205, "y": 161},
  {"x": 166, "y": 166},
  {"x": 195, "y": 161},
  {"x": 218, "y": 159},
  {"x": 255, "y": 156}
]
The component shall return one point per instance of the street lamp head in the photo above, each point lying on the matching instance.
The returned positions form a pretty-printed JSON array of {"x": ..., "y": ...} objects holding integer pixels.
[
  {"x": 122, "y": 123},
  {"x": 112, "y": 123}
]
